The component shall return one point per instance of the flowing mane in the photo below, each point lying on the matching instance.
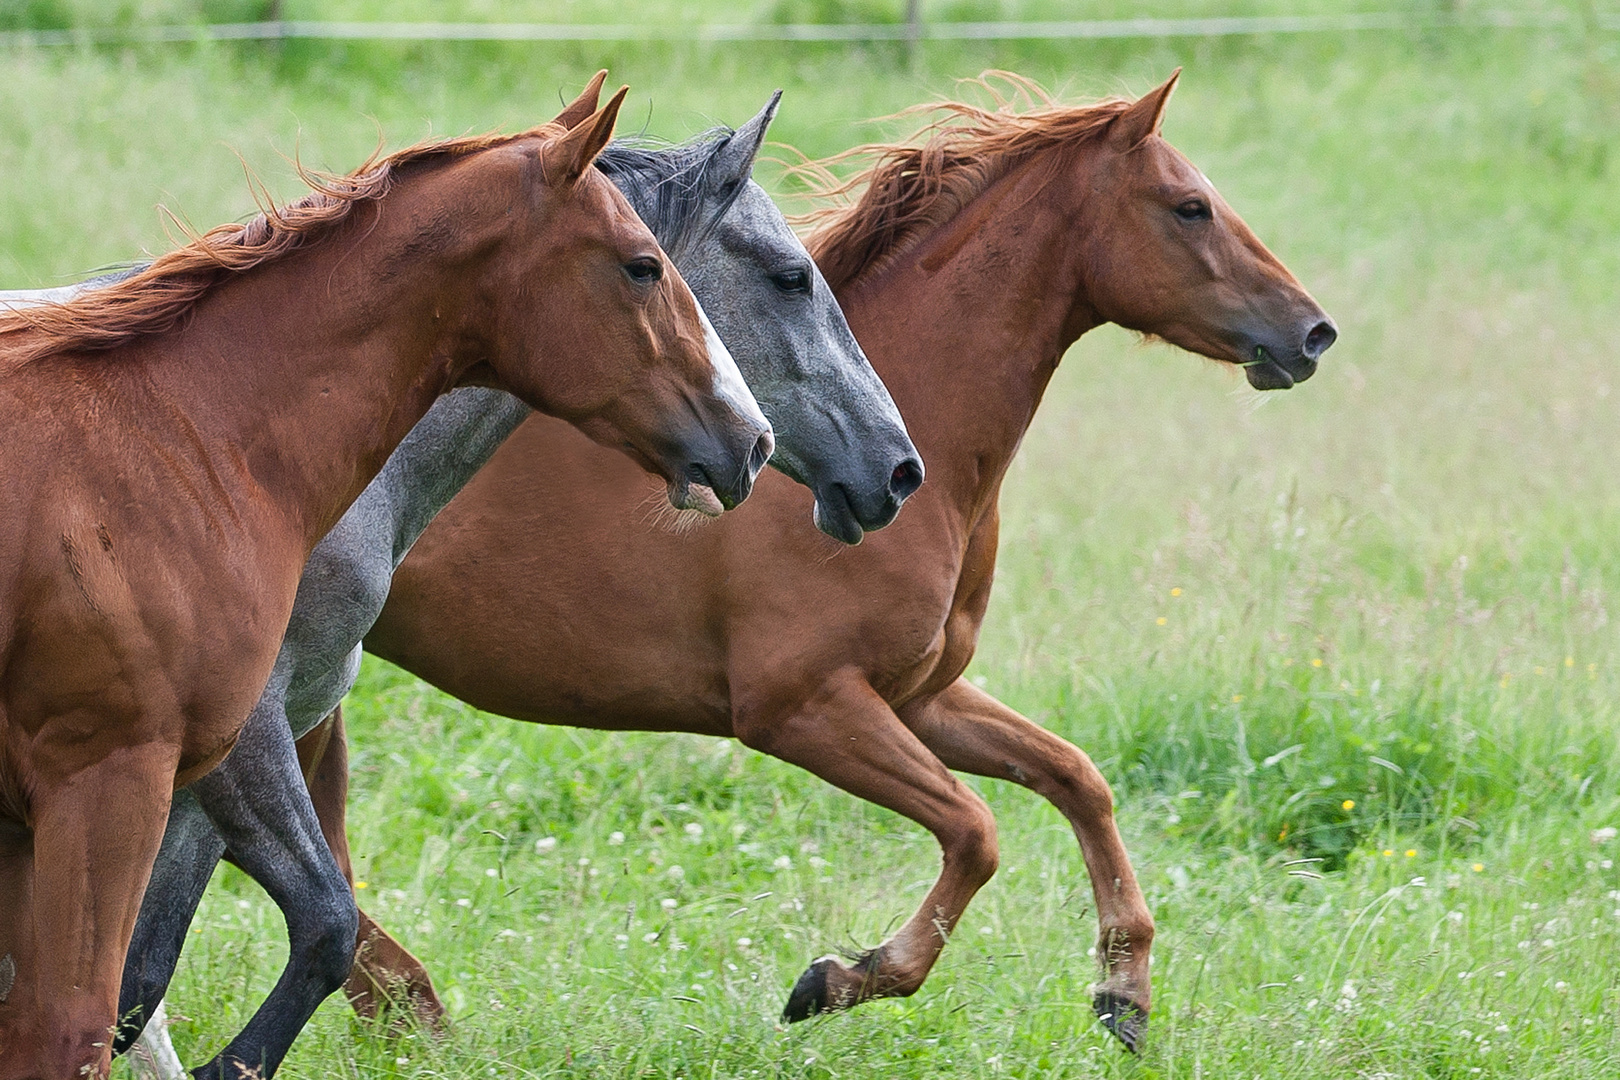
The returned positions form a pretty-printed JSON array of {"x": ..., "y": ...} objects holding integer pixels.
[
  {"x": 667, "y": 183},
  {"x": 910, "y": 189},
  {"x": 158, "y": 297}
]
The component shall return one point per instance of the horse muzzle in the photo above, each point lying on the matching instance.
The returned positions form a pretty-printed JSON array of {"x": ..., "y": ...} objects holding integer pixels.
[
  {"x": 1278, "y": 366},
  {"x": 720, "y": 478},
  {"x": 848, "y": 517}
]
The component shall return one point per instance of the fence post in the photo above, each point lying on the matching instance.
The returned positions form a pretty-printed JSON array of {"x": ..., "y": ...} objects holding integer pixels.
[{"x": 913, "y": 30}]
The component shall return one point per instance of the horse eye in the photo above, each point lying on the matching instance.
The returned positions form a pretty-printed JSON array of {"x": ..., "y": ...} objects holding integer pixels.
[
  {"x": 792, "y": 281},
  {"x": 1193, "y": 210},
  {"x": 644, "y": 271}
]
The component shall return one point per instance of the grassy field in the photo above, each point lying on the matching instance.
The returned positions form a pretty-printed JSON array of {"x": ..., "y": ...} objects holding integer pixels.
[{"x": 1364, "y": 622}]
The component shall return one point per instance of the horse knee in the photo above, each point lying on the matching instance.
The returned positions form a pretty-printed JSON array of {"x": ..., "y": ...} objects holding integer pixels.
[
  {"x": 329, "y": 944},
  {"x": 971, "y": 845}
]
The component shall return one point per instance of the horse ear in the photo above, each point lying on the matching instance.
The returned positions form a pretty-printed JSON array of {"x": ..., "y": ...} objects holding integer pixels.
[
  {"x": 733, "y": 161},
  {"x": 584, "y": 105},
  {"x": 566, "y": 158},
  {"x": 1130, "y": 128}
]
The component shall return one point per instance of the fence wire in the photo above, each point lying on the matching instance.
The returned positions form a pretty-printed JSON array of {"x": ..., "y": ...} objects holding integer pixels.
[{"x": 811, "y": 32}]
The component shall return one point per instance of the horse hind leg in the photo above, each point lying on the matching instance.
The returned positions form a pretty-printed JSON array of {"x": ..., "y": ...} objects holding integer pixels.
[
  {"x": 384, "y": 971},
  {"x": 849, "y": 737},
  {"x": 972, "y": 731}
]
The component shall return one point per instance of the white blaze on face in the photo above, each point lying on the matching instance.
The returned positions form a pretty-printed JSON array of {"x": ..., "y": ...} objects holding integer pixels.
[{"x": 728, "y": 381}]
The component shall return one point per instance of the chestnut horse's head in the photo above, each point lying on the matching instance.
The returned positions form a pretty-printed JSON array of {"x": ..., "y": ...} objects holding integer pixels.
[
  {"x": 591, "y": 321},
  {"x": 1165, "y": 255}
]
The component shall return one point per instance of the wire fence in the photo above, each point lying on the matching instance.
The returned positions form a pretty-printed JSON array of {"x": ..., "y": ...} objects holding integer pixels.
[{"x": 909, "y": 31}]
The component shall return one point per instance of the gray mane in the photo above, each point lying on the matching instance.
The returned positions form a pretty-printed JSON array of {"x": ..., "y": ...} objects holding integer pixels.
[{"x": 668, "y": 183}]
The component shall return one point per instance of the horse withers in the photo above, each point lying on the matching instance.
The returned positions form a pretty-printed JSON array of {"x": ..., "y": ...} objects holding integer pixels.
[
  {"x": 176, "y": 443},
  {"x": 967, "y": 266}
]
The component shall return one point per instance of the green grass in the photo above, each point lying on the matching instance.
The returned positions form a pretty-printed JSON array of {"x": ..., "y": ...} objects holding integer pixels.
[{"x": 1432, "y": 518}]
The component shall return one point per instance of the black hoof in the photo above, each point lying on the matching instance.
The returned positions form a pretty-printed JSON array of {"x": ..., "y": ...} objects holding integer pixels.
[
  {"x": 1121, "y": 1017},
  {"x": 809, "y": 995}
]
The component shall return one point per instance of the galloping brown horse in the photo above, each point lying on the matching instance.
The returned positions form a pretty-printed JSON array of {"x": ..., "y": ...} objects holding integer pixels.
[
  {"x": 176, "y": 443},
  {"x": 967, "y": 267}
]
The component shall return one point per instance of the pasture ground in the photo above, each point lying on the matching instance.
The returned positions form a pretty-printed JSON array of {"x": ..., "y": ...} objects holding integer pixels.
[{"x": 1363, "y": 622}]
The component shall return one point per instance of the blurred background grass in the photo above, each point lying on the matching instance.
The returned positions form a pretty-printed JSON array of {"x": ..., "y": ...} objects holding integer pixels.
[{"x": 1364, "y": 621}]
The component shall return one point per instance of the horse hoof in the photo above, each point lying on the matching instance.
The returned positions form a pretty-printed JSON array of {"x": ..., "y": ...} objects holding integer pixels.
[
  {"x": 1123, "y": 1017},
  {"x": 809, "y": 994}
]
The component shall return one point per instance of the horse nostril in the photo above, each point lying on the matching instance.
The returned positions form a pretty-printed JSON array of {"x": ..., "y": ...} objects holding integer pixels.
[
  {"x": 763, "y": 449},
  {"x": 906, "y": 479},
  {"x": 1322, "y": 335}
]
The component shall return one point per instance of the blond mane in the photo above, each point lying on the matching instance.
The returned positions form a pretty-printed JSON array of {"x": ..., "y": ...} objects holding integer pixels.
[
  {"x": 159, "y": 297},
  {"x": 910, "y": 189}
]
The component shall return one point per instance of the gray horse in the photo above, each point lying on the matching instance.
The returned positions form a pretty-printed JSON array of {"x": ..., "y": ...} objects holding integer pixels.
[{"x": 839, "y": 434}]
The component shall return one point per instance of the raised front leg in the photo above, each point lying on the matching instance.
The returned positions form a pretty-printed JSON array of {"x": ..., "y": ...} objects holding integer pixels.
[
  {"x": 972, "y": 731},
  {"x": 384, "y": 972},
  {"x": 70, "y": 908},
  {"x": 848, "y": 736},
  {"x": 257, "y": 802}
]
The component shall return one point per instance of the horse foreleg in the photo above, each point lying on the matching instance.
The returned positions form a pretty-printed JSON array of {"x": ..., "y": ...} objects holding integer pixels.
[
  {"x": 848, "y": 736},
  {"x": 383, "y": 970},
  {"x": 16, "y": 930},
  {"x": 972, "y": 731},
  {"x": 257, "y": 801},
  {"x": 95, "y": 834},
  {"x": 190, "y": 851}
]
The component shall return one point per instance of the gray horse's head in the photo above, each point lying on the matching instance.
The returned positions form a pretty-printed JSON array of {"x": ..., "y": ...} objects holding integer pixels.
[{"x": 837, "y": 430}]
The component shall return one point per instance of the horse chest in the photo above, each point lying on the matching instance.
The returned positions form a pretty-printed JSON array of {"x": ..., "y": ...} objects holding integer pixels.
[
  {"x": 919, "y": 637},
  {"x": 949, "y": 608}
]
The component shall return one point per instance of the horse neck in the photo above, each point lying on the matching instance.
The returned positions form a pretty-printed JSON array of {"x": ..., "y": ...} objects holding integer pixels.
[
  {"x": 307, "y": 372},
  {"x": 967, "y": 348},
  {"x": 439, "y": 456}
]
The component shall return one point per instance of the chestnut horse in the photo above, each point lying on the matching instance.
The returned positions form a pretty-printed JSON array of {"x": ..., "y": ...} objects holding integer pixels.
[
  {"x": 177, "y": 442},
  {"x": 967, "y": 268}
]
